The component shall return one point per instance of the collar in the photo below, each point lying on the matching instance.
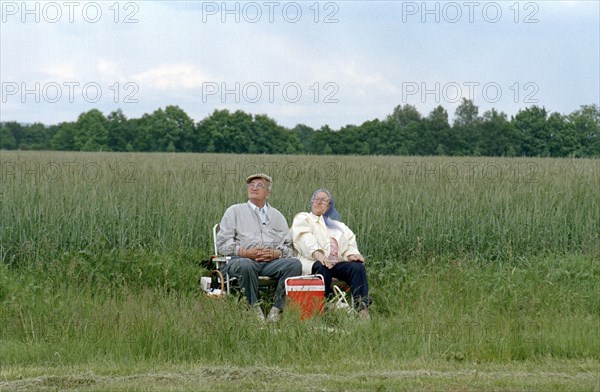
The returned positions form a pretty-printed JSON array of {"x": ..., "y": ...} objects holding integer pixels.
[
  {"x": 316, "y": 218},
  {"x": 256, "y": 208}
]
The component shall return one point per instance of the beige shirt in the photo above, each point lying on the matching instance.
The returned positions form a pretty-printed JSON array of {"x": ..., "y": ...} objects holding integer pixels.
[{"x": 309, "y": 233}]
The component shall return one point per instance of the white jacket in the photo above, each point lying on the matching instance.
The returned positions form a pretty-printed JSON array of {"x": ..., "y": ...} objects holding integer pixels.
[{"x": 309, "y": 233}]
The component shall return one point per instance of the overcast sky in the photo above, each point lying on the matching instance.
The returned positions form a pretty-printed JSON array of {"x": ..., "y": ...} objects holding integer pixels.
[{"x": 315, "y": 63}]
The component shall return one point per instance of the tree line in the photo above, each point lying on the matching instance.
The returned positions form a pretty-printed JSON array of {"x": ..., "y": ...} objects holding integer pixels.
[{"x": 532, "y": 132}]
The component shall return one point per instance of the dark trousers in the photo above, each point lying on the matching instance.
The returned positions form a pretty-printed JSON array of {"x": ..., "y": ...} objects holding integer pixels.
[
  {"x": 247, "y": 272},
  {"x": 351, "y": 272}
]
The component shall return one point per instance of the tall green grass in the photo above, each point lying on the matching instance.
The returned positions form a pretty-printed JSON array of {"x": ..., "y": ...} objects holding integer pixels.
[
  {"x": 463, "y": 312},
  {"x": 469, "y": 260},
  {"x": 401, "y": 208}
]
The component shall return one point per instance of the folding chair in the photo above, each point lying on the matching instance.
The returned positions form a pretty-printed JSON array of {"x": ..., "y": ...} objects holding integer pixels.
[{"x": 230, "y": 282}]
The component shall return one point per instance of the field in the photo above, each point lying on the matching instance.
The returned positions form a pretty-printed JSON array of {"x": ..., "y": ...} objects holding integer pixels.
[{"x": 485, "y": 275}]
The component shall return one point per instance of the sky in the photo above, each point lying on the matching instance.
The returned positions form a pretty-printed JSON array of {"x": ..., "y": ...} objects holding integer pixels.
[{"x": 316, "y": 63}]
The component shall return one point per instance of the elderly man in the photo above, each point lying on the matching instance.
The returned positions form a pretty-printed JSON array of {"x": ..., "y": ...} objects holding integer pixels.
[{"x": 257, "y": 237}]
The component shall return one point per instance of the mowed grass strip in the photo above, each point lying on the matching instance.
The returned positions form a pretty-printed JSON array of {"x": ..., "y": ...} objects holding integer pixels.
[{"x": 579, "y": 376}]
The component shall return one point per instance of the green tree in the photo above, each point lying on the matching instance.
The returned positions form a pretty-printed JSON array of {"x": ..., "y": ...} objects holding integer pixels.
[
  {"x": 34, "y": 137},
  {"x": 273, "y": 138},
  {"x": 464, "y": 139},
  {"x": 171, "y": 147},
  {"x": 64, "y": 139},
  {"x": 304, "y": 134},
  {"x": 497, "y": 136},
  {"x": 157, "y": 131},
  {"x": 377, "y": 138},
  {"x": 406, "y": 123},
  {"x": 466, "y": 113},
  {"x": 7, "y": 139},
  {"x": 119, "y": 131},
  {"x": 563, "y": 139},
  {"x": 533, "y": 131},
  {"x": 405, "y": 115},
  {"x": 433, "y": 132},
  {"x": 349, "y": 141},
  {"x": 181, "y": 128},
  {"x": 322, "y": 141},
  {"x": 586, "y": 126},
  {"x": 91, "y": 132},
  {"x": 226, "y": 132}
]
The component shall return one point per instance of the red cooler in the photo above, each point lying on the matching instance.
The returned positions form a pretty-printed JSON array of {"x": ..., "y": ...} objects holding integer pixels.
[{"x": 306, "y": 293}]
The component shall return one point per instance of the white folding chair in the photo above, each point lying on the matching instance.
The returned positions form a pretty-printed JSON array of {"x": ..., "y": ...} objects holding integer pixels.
[{"x": 221, "y": 261}]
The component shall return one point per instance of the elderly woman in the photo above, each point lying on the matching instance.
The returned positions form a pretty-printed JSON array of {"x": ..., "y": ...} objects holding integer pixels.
[{"x": 328, "y": 247}]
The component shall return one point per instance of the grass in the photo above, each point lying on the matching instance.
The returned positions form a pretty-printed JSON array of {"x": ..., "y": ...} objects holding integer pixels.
[
  {"x": 542, "y": 376},
  {"x": 401, "y": 208},
  {"x": 485, "y": 274},
  {"x": 441, "y": 312}
]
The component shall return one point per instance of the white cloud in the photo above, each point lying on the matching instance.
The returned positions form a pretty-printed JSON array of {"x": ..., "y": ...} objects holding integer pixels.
[
  {"x": 109, "y": 70},
  {"x": 59, "y": 71},
  {"x": 172, "y": 77},
  {"x": 365, "y": 82}
]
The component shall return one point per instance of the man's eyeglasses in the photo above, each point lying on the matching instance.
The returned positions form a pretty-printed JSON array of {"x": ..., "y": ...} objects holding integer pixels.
[
  {"x": 321, "y": 200},
  {"x": 257, "y": 185}
]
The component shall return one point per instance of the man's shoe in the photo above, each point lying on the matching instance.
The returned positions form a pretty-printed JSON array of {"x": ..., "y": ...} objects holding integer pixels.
[
  {"x": 274, "y": 314},
  {"x": 259, "y": 313}
]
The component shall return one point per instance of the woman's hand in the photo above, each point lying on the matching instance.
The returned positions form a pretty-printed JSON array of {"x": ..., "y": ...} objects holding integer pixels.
[
  {"x": 356, "y": 257},
  {"x": 319, "y": 256}
]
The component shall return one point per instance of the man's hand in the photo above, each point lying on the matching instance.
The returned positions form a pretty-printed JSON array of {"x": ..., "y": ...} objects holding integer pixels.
[
  {"x": 267, "y": 254},
  {"x": 260, "y": 254},
  {"x": 248, "y": 253}
]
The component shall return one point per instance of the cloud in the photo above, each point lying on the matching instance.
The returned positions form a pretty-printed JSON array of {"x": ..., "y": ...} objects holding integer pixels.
[
  {"x": 60, "y": 70},
  {"x": 365, "y": 82},
  {"x": 109, "y": 70},
  {"x": 172, "y": 77}
]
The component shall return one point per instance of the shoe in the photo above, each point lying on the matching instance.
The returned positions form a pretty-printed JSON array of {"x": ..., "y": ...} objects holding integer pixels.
[
  {"x": 364, "y": 314},
  {"x": 274, "y": 314},
  {"x": 259, "y": 313}
]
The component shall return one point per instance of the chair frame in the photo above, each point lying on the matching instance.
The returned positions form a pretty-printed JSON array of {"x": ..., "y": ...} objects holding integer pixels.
[{"x": 220, "y": 261}]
